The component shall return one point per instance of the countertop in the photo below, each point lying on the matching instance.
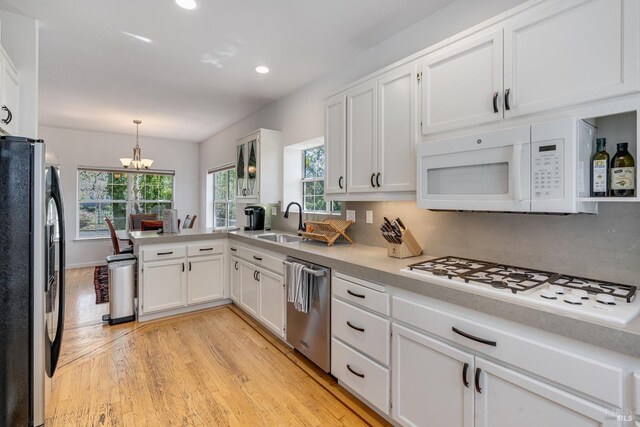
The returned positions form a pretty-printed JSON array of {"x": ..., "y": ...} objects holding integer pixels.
[{"x": 372, "y": 263}]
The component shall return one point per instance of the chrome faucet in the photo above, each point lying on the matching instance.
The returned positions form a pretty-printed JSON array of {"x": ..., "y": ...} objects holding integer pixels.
[{"x": 286, "y": 215}]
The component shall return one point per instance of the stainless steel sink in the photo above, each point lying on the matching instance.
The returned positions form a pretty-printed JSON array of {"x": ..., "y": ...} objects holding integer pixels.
[{"x": 280, "y": 237}]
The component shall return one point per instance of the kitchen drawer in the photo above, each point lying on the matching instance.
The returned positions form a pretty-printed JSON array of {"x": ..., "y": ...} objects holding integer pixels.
[
  {"x": 518, "y": 347},
  {"x": 361, "y": 374},
  {"x": 164, "y": 252},
  {"x": 261, "y": 259},
  {"x": 373, "y": 339},
  {"x": 361, "y": 295},
  {"x": 205, "y": 248}
]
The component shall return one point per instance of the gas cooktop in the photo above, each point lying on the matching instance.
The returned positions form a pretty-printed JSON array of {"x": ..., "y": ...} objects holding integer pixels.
[{"x": 612, "y": 302}]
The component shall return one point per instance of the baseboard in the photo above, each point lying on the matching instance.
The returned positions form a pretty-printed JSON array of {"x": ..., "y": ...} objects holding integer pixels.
[{"x": 86, "y": 264}]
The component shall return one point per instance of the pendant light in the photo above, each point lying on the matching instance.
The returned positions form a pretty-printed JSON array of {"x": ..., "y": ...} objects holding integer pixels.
[{"x": 137, "y": 162}]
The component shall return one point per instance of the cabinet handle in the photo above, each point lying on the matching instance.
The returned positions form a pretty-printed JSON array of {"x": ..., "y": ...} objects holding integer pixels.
[
  {"x": 506, "y": 99},
  {"x": 206, "y": 249},
  {"x": 355, "y": 327},
  {"x": 495, "y": 102},
  {"x": 236, "y": 266},
  {"x": 473, "y": 337},
  {"x": 254, "y": 275},
  {"x": 164, "y": 253},
  {"x": 465, "y": 369},
  {"x": 257, "y": 258},
  {"x": 233, "y": 249},
  {"x": 477, "y": 380},
  {"x": 183, "y": 267},
  {"x": 340, "y": 182},
  {"x": 378, "y": 179},
  {"x": 354, "y": 294},
  {"x": 357, "y": 374},
  {"x": 189, "y": 265},
  {"x": 257, "y": 276},
  {"x": 373, "y": 175},
  {"x": 9, "y": 115}
]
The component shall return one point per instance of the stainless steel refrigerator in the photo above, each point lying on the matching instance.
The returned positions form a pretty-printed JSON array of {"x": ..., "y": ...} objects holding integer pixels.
[{"x": 32, "y": 263}]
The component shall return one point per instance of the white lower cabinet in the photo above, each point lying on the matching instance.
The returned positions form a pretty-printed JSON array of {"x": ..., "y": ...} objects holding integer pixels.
[
  {"x": 205, "y": 279},
  {"x": 437, "y": 384},
  {"x": 257, "y": 286},
  {"x": 506, "y": 398},
  {"x": 234, "y": 268},
  {"x": 432, "y": 381},
  {"x": 180, "y": 278},
  {"x": 249, "y": 288},
  {"x": 272, "y": 297},
  {"x": 163, "y": 285}
]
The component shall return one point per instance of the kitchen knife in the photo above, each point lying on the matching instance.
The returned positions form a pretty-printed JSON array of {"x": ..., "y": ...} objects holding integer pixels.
[{"x": 400, "y": 224}]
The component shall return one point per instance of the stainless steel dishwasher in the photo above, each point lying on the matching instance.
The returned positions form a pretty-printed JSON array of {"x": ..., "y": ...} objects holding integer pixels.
[{"x": 310, "y": 333}]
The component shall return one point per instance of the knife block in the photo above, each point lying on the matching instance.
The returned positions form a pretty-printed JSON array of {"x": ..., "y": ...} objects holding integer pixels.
[{"x": 408, "y": 248}]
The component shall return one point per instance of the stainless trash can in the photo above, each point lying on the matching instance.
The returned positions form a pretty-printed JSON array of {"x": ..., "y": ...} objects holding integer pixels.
[{"x": 122, "y": 283}]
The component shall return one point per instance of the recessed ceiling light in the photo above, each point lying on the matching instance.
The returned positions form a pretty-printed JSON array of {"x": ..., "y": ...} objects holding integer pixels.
[
  {"x": 262, "y": 69},
  {"x": 137, "y": 37},
  {"x": 187, "y": 4}
]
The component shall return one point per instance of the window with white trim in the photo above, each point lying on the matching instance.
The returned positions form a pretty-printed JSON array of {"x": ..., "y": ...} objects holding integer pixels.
[
  {"x": 116, "y": 194},
  {"x": 224, "y": 197},
  {"x": 313, "y": 200}
]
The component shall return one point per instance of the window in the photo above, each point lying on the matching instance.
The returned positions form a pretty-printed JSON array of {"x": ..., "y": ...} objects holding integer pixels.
[
  {"x": 224, "y": 201},
  {"x": 115, "y": 194},
  {"x": 313, "y": 182}
]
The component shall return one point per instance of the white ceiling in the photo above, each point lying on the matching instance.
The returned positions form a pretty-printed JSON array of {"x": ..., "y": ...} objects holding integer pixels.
[{"x": 197, "y": 75}]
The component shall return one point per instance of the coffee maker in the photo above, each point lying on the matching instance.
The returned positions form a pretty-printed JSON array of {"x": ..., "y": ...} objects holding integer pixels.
[{"x": 255, "y": 217}]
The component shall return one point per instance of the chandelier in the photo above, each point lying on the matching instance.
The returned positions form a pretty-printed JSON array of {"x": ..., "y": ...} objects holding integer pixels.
[{"x": 137, "y": 162}]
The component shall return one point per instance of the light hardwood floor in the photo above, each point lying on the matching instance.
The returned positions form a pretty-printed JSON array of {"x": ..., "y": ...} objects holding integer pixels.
[{"x": 212, "y": 368}]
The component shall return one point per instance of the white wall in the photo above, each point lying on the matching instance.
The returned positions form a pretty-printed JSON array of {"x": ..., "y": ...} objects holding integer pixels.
[
  {"x": 300, "y": 115},
  {"x": 81, "y": 148}
]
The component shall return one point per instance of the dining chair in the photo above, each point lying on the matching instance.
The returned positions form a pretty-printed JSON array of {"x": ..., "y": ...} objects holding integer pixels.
[
  {"x": 150, "y": 225},
  {"x": 115, "y": 241},
  {"x": 193, "y": 221},
  {"x": 136, "y": 219},
  {"x": 187, "y": 221}
]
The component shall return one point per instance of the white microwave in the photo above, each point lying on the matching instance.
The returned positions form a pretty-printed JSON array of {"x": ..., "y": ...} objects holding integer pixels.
[{"x": 534, "y": 168}]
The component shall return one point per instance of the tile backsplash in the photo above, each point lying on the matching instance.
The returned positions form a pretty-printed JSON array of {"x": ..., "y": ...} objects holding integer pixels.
[{"x": 604, "y": 246}]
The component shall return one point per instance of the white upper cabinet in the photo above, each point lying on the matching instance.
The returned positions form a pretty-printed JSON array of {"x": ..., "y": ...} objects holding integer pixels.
[
  {"x": 397, "y": 129},
  {"x": 362, "y": 137},
  {"x": 462, "y": 84},
  {"x": 371, "y": 132},
  {"x": 10, "y": 97},
  {"x": 571, "y": 52},
  {"x": 554, "y": 55},
  {"x": 259, "y": 167},
  {"x": 335, "y": 133}
]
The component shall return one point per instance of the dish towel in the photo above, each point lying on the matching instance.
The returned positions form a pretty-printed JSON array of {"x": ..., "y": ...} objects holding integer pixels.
[{"x": 299, "y": 286}]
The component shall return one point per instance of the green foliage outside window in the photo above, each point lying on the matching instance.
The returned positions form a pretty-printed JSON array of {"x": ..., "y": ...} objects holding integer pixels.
[{"x": 313, "y": 182}]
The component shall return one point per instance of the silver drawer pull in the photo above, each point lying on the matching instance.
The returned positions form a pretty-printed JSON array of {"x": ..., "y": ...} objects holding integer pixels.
[
  {"x": 206, "y": 249},
  {"x": 353, "y": 294},
  {"x": 357, "y": 374},
  {"x": 164, "y": 253},
  {"x": 355, "y": 327}
]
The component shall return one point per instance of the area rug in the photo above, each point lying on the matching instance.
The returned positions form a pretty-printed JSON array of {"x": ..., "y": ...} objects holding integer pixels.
[{"x": 101, "y": 284}]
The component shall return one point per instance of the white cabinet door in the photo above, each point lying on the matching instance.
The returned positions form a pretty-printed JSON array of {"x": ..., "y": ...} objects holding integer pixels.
[
  {"x": 272, "y": 301},
  {"x": 249, "y": 288},
  {"x": 235, "y": 279},
  {"x": 462, "y": 83},
  {"x": 206, "y": 279},
  {"x": 335, "y": 145},
  {"x": 362, "y": 138},
  {"x": 508, "y": 398},
  {"x": 163, "y": 285},
  {"x": 10, "y": 98},
  {"x": 397, "y": 129},
  {"x": 571, "y": 52},
  {"x": 432, "y": 382}
]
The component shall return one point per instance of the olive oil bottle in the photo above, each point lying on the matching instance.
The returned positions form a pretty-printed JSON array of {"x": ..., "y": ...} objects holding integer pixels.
[
  {"x": 623, "y": 173},
  {"x": 600, "y": 169}
]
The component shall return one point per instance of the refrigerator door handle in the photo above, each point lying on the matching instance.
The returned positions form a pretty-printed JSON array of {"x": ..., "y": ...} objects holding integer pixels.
[{"x": 56, "y": 194}]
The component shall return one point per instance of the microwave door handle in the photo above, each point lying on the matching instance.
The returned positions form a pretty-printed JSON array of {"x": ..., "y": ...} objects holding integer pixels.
[{"x": 516, "y": 165}]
